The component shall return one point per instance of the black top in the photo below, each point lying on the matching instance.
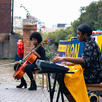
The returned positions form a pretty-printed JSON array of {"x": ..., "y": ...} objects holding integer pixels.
[{"x": 41, "y": 52}]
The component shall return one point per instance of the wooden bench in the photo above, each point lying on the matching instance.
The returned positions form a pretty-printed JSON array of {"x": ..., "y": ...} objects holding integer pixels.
[
  {"x": 94, "y": 91},
  {"x": 94, "y": 87},
  {"x": 44, "y": 79}
]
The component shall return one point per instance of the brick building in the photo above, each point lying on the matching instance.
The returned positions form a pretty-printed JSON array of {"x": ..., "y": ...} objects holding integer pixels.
[
  {"x": 7, "y": 40},
  {"x": 5, "y": 16}
]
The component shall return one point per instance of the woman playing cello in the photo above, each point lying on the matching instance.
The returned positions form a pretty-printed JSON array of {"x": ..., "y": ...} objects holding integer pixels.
[{"x": 29, "y": 69}]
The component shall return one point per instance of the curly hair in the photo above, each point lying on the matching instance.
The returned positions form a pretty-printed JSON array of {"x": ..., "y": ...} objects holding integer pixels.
[{"x": 36, "y": 35}]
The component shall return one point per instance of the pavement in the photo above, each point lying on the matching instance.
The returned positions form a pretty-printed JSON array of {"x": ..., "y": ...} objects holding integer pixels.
[{"x": 9, "y": 92}]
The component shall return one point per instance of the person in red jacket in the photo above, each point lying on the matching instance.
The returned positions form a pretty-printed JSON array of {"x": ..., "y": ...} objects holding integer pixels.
[
  {"x": 29, "y": 69},
  {"x": 20, "y": 50}
]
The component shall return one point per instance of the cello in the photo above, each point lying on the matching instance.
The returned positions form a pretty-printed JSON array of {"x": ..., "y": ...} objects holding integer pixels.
[{"x": 29, "y": 59}]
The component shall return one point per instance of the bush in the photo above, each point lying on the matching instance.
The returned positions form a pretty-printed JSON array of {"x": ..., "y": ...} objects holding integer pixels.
[{"x": 50, "y": 51}]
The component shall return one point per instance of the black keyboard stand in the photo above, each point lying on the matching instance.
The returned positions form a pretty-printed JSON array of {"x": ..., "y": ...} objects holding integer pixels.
[
  {"x": 52, "y": 89},
  {"x": 47, "y": 67},
  {"x": 60, "y": 90}
]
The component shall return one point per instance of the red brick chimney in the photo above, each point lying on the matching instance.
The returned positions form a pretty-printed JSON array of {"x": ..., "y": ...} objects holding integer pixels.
[{"x": 27, "y": 30}]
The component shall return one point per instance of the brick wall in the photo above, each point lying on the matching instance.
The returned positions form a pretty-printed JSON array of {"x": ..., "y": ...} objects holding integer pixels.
[
  {"x": 5, "y": 25},
  {"x": 27, "y": 30},
  {"x": 5, "y": 16}
]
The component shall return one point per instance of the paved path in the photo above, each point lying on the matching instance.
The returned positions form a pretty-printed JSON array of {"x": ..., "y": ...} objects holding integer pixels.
[{"x": 9, "y": 92}]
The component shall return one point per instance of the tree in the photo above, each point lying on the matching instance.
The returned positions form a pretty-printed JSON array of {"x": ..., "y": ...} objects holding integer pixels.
[{"x": 91, "y": 15}]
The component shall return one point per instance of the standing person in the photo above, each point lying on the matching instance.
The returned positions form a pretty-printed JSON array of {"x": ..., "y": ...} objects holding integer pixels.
[
  {"x": 90, "y": 59},
  {"x": 36, "y": 39}
]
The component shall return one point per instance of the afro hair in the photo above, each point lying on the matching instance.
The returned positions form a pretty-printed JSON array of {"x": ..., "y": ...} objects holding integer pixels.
[{"x": 36, "y": 35}]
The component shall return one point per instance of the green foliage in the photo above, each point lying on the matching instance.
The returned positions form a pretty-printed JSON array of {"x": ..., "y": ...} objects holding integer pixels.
[
  {"x": 58, "y": 35},
  {"x": 74, "y": 27},
  {"x": 62, "y": 34},
  {"x": 50, "y": 52},
  {"x": 91, "y": 15}
]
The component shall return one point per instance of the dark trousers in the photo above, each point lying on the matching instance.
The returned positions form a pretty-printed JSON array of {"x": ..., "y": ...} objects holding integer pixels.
[{"x": 29, "y": 70}]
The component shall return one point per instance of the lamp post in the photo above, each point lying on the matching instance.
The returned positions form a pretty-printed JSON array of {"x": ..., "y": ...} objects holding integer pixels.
[{"x": 12, "y": 10}]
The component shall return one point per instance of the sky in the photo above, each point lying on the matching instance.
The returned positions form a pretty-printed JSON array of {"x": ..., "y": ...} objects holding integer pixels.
[{"x": 51, "y": 12}]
